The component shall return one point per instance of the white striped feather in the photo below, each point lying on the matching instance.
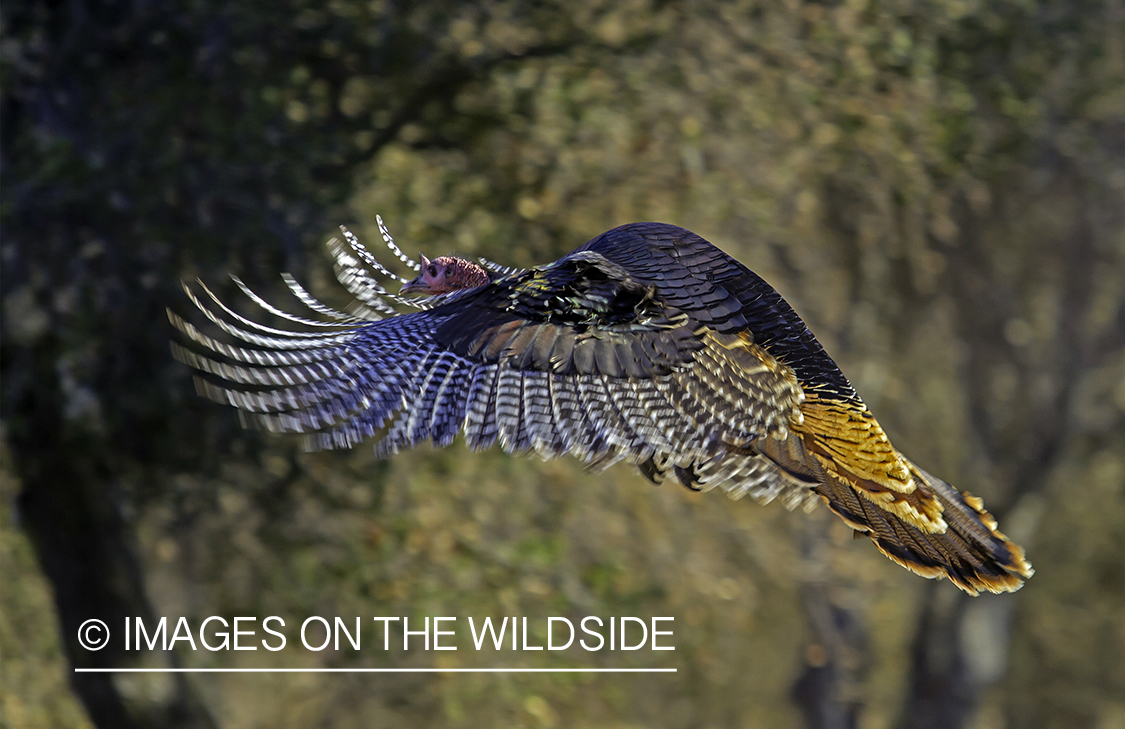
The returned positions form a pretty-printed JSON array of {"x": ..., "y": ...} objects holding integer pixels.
[
  {"x": 428, "y": 396},
  {"x": 419, "y": 370},
  {"x": 509, "y": 411},
  {"x": 356, "y": 279},
  {"x": 650, "y": 437},
  {"x": 306, "y": 336},
  {"x": 540, "y": 417},
  {"x": 261, "y": 357},
  {"x": 363, "y": 314},
  {"x": 391, "y": 245},
  {"x": 566, "y": 414},
  {"x": 339, "y": 318},
  {"x": 761, "y": 395},
  {"x": 288, "y": 340},
  {"x": 480, "y": 414},
  {"x": 262, "y": 376},
  {"x": 450, "y": 405},
  {"x": 353, "y": 379},
  {"x": 498, "y": 268},
  {"x": 603, "y": 414}
]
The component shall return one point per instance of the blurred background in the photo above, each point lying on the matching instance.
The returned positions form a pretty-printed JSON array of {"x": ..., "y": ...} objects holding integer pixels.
[{"x": 937, "y": 186}]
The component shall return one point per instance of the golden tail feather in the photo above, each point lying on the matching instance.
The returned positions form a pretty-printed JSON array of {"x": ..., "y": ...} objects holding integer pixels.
[
  {"x": 916, "y": 519},
  {"x": 971, "y": 552}
]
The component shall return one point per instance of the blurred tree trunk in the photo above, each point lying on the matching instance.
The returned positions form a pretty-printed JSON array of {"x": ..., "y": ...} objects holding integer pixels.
[
  {"x": 829, "y": 688},
  {"x": 942, "y": 692},
  {"x": 961, "y": 643},
  {"x": 71, "y": 508}
]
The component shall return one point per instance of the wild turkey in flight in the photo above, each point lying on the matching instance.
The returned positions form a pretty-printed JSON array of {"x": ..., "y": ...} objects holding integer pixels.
[{"x": 646, "y": 344}]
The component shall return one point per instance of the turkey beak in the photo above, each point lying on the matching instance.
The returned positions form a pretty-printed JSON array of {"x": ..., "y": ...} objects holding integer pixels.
[
  {"x": 415, "y": 286},
  {"x": 418, "y": 285}
]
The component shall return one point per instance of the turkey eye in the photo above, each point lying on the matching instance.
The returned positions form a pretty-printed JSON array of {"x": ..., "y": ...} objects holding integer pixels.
[{"x": 432, "y": 270}]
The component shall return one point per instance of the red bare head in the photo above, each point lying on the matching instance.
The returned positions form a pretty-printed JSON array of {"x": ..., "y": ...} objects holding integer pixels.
[{"x": 445, "y": 274}]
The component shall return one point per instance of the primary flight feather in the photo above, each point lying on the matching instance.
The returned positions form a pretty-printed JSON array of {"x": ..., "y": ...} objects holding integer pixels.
[{"x": 646, "y": 344}]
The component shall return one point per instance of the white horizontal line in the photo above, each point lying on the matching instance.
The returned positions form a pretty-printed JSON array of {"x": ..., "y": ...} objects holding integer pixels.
[{"x": 375, "y": 670}]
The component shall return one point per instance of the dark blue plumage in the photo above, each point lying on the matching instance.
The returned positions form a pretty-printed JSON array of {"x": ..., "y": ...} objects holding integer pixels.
[{"x": 646, "y": 344}]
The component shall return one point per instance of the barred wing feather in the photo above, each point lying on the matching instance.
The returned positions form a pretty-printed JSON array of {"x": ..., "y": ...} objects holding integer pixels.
[{"x": 647, "y": 344}]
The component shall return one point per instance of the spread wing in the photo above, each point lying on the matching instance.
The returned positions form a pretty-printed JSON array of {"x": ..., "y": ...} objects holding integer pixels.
[
  {"x": 580, "y": 357},
  {"x": 647, "y": 344}
]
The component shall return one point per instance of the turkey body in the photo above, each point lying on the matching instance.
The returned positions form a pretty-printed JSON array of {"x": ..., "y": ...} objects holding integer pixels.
[{"x": 647, "y": 344}]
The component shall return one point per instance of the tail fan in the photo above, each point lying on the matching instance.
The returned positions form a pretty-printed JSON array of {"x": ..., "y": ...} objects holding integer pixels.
[{"x": 970, "y": 551}]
